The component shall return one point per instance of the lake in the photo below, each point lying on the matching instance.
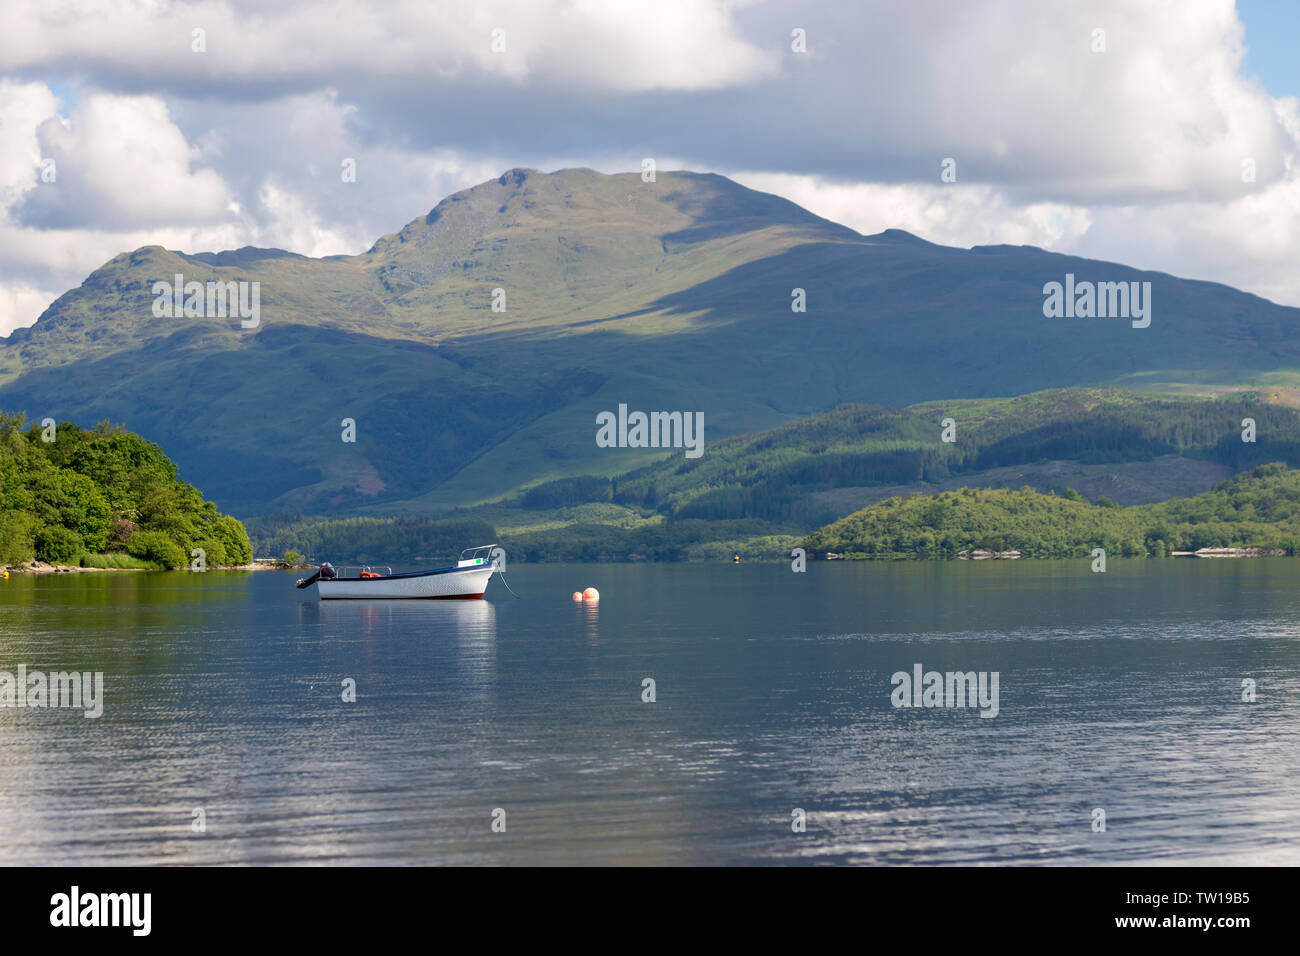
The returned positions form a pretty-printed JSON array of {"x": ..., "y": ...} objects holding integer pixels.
[{"x": 223, "y": 692}]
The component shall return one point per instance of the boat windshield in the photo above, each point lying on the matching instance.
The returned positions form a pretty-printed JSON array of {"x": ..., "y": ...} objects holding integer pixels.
[{"x": 480, "y": 555}]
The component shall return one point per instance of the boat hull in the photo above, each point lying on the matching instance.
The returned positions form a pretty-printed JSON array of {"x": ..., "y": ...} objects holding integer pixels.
[{"x": 447, "y": 584}]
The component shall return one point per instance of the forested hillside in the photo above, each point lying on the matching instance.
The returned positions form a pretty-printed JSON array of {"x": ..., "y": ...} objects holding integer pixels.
[
  {"x": 758, "y": 493},
  {"x": 1257, "y": 509},
  {"x": 103, "y": 497},
  {"x": 774, "y": 474},
  {"x": 368, "y": 540}
]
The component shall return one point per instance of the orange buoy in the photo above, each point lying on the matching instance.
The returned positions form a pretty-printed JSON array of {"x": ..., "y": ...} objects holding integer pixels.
[
  {"x": 577, "y": 595},
  {"x": 591, "y": 594}
]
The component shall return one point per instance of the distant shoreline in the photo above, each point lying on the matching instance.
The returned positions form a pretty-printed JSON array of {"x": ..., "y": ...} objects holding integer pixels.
[
  {"x": 40, "y": 567},
  {"x": 981, "y": 555}
]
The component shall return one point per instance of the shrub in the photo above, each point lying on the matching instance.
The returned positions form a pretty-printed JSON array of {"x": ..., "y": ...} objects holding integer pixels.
[
  {"x": 16, "y": 545},
  {"x": 119, "y": 532},
  {"x": 214, "y": 552},
  {"x": 234, "y": 541},
  {"x": 156, "y": 548},
  {"x": 57, "y": 545}
]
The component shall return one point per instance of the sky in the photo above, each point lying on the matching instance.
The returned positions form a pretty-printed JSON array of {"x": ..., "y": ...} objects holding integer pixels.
[{"x": 1158, "y": 133}]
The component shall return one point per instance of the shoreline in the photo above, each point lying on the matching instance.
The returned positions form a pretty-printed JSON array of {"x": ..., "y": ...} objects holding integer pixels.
[
  {"x": 40, "y": 567},
  {"x": 1252, "y": 552}
]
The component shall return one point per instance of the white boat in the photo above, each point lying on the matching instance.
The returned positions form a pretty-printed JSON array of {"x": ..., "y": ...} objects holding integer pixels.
[{"x": 468, "y": 579}]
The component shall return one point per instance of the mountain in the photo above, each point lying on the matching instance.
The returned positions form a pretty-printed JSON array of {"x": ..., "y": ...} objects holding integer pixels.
[{"x": 672, "y": 295}]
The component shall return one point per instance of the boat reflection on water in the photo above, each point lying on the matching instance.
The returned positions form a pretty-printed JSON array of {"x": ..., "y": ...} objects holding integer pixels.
[
  {"x": 378, "y": 624},
  {"x": 473, "y": 620}
]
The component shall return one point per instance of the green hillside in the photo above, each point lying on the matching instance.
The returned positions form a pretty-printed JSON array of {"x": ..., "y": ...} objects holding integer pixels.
[
  {"x": 672, "y": 295},
  {"x": 757, "y": 494},
  {"x": 780, "y": 473},
  {"x": 1257, "y": 509},
  {"x": 104, "y": 498}
]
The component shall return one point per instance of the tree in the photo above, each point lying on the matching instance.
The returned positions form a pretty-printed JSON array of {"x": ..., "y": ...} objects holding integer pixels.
[
  {"x": 57, "y": 545},
  {"x": 156, "y": 547}
]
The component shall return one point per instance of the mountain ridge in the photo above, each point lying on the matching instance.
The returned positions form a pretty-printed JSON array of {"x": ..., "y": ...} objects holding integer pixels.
[{"x": 675, "y": 294}]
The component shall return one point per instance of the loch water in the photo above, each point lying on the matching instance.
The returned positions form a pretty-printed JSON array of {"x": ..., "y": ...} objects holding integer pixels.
[{"x": 224, "y": 693}]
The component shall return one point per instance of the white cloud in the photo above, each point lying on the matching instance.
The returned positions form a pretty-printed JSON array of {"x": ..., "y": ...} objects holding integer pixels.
[
  {"x": 637, "y": 45},
  {"x": 953, "y": 214},
  {"x": 1133, "y": 154},
  {"x": 23, "y": 107},
  {"x": 120, "y": 186},
  {"x": 121, "y": 162},
  {"x": 1251, "y": 243},
  {"x": 628, "y": 45},
  {"x": 298, "y": 228},
  {"x": 21, "y": 303}
]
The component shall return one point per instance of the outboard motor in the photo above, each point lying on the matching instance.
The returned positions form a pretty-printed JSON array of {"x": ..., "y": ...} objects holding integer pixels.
[{"x": 326, "y": 571}]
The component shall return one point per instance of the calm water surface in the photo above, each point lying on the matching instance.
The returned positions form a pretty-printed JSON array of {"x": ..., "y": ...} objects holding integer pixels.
[{"x": 1119, "y": 691}]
